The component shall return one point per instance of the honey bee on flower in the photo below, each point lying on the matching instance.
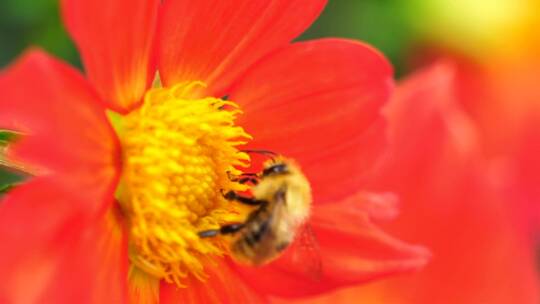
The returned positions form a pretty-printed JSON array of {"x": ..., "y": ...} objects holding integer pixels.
[
  {"x": 128, "y": 174},
  {"x": 283, "y": 200}
]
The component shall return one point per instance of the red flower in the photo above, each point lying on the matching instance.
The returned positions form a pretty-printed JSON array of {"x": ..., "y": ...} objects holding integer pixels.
[
  {"x": 452, "y": 202},
  {"x": 113, "y": 213}
]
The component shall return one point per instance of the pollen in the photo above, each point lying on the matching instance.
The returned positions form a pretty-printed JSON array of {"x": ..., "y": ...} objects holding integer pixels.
[{"x": 179, "y": 153}]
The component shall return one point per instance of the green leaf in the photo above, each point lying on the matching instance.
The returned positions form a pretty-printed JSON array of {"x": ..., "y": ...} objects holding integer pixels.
[
  {"x": 7, "y": 136},
  {"x": 9, "y": 180},
  {"x": 6, "y": 188}
]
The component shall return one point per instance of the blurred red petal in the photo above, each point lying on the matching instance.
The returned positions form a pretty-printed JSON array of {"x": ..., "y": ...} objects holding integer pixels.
[
  {"x": 216, "y": 41},
  {"x": 502, "y": 98},
  {"x": 499, "y": 94},
  {"x": 222, "y": 286},
  {"x": 319, "y": 103},
  {"x": 526, "y": 176},
  {"x": 478, "y": 255},
  {"x": 66, "y": 131},
  {"x": 352, "y": 250},
  {"x": 450, "y": 205},
  {"x": 115, "y": 39},
  {"x": 425, "y": 106},
  {"x": 51, "y": 253}
]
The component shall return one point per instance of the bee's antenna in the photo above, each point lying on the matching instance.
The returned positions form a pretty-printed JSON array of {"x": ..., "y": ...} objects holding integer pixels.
[
  {"x": 270, "y": 154},
  {"x": 263, "y": 152}
]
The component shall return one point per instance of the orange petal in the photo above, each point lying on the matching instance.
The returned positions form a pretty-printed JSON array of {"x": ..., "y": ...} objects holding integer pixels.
[
  {"x": 52, "y": 253},
  {"x": 222, "y": 286},
  {"x": 66, "y": 131},
  {"x": 115, "y": 39},
  {"x": 216, "y": 41},
  {"x": 352, "y": 250},
  {"x": 319, "y": 103}
]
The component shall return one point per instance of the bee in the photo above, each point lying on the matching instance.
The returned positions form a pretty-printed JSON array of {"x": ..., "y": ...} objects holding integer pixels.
[{"x": 282, "y": 195}]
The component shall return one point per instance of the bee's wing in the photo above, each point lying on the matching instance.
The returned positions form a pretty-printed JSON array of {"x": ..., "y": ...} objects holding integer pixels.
[{"x": 304, "y": 254}]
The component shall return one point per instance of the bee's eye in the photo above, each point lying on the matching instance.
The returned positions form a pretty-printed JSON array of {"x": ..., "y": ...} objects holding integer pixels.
[{"x": 276, "y": 169}]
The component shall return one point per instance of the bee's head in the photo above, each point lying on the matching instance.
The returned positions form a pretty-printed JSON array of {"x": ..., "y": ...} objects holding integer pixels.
[
  {"x": 275, "y": 169},
  {"x": 278, "y": 166}
]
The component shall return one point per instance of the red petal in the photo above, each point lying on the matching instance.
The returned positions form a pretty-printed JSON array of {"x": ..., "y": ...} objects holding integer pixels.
[
  {"x": 503, "y": 100},
  {"x": 450, "y": 204},
  {"x": 319, "y": 103},
  {"x": 216, "y": 41},
  {"x": 352, "y": 251},
  {"x": 67, "y": 133},
  {"x": 98, "y": 257},
  {"x": 143, "y": 288},
  {"x": 527, "y": 174},
  {"x": 222, "y": 286},
  {"x": 51, "y": 253},
  {"x": 115, "y": 39},
  {"x": 428, "y": 100}
]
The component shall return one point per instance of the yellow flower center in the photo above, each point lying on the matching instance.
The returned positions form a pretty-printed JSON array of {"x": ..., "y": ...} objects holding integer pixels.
[{"x": 179, "y": 154}]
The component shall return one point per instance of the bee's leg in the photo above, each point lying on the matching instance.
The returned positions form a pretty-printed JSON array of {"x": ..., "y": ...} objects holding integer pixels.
[
  {"x": 244, "y": 178},
  {"x": 232, "y": 228},
  {"x": 233, "y": 196},
  {"x": 232, "y": 177},
  {"x": 208, "y": 233},
  {"x": 254, "y": 175},
  {"x": 227, "y": 229}
]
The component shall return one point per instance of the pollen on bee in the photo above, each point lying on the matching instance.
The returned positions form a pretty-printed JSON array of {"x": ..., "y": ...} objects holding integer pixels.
[{"x": 178, "y": 153}]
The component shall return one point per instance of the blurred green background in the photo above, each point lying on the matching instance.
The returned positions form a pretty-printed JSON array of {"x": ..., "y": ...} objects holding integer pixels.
[{"x": 24, "y": 23}]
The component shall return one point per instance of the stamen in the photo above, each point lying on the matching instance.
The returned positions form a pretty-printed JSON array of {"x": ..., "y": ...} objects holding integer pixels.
[{"x": 178, "y": 154}]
